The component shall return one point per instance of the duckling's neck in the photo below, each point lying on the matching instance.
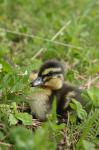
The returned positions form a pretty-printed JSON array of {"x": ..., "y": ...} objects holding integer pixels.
[{"x": 48, "y": 91}]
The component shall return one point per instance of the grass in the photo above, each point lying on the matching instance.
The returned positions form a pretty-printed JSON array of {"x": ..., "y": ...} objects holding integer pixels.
[{"x": 30, "y": 33}]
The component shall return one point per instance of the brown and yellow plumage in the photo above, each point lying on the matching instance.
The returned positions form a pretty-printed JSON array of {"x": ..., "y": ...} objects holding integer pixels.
[{"x": 51, "y": 78}]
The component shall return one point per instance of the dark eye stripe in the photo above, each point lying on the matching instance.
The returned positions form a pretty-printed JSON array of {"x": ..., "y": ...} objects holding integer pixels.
[
  {"x": 51, "y": 74},
  {"x": 48, "y": 79}
]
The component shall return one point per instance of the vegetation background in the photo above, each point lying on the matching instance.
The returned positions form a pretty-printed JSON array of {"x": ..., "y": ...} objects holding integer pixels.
[{"x": 32, "y": 31}]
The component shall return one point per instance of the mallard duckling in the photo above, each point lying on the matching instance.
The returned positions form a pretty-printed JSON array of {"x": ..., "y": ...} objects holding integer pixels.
[
  {"x": 51, "y": 76},
  {"x": 39, "y": 99}
]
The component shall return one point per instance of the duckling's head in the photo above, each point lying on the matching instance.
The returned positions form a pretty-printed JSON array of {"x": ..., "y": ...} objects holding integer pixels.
[{"x": 51, "y": 75}]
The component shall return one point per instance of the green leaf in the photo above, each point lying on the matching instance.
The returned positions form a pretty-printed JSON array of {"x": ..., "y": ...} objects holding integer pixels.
[
  {"x": 5, "y": 66},
  {"x": 88, "y": 145},
  {"x": 14, "y": 106},
  {"x": 1, "y": 135},
  {"x": 93, "y": 94},
  {"x": 87, "y": 126},
  {"x": 12, "y": 119},
  {"x": 53, "y": 115},
  {"x": 3, "y": 51},
  {"x": 1, "y": 67},
  {"x": 25, "y": 118},
  {"x": 81, "y": 113},
  {"x": 22, "y": 137}
]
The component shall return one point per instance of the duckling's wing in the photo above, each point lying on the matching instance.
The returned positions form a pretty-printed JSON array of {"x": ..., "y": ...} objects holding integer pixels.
[
  {"x": 65, "y": 96},
  {"x": 74, "y": 93},
  {"x": 68, "y": 98}
]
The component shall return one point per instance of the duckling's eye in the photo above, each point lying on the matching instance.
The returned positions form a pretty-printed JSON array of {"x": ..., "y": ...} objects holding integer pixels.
[{"x": 50, "y": 73}]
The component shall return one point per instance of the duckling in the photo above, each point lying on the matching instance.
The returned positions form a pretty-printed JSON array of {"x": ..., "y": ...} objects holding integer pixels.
[
  {"x": 51, "y": 76},
  {"x": 39, "y": 99}
]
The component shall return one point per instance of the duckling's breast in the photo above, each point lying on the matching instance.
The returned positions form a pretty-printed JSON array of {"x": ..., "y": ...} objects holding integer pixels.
[{"x": 40, "y": 104}]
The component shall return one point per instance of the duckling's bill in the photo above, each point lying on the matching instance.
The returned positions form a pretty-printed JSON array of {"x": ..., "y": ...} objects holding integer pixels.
[{"x": 37, "y": 82}]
